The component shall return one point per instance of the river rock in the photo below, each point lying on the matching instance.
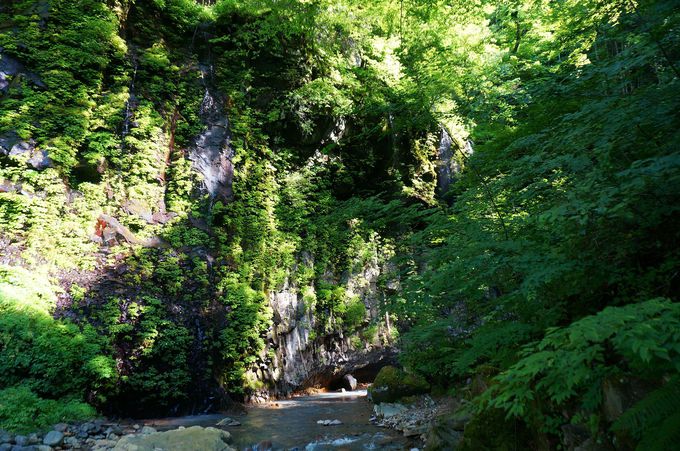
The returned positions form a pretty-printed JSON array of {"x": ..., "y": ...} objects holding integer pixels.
[
  {"x": 72, "y": 442},
  {"x": 6, "y": 437},
  {"x": 21, "y": 440},
  {"x": 87, "y": 428},
  {"x": 115, "y": 428},
  {"x": 329, "y": 422},
  {"x": 387, "y": 410},
  {"x": 53, "y": 438},
  {"x": 148, "y": 430},
  {"x": 61, "y": 427},
  {"x": 195, "y": 437},
  {"x": 228, "y": 422},
  {"x": 5, "y": 447}
]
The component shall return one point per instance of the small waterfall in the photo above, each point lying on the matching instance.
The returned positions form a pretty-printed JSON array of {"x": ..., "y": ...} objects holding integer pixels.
[
  {"x": 445, "y": 170},
  {"x": 130, "y": 106},
  {"x": 449, "y": 167}
]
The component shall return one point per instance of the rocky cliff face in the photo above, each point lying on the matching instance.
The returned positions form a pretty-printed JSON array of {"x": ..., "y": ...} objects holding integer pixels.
[
  {"x": 170, "y": 177},
  {"x": 212, "y": 154},
  {"x": 299, "y": 358}
]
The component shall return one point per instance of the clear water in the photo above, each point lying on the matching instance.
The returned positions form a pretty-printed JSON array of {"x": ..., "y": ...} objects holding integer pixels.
[{"x": 292, "y": 424}]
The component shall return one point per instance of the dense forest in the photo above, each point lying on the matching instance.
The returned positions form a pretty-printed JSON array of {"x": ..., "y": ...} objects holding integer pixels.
[{"x": 211, "y": 202}]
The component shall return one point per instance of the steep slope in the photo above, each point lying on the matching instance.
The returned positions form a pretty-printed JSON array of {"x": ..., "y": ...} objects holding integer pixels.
[{"x": 176, "y": 172}]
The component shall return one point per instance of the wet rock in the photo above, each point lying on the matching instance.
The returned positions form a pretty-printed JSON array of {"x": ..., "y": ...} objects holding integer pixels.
[
  {"x": 148, "y": 430},
  {"x": 329, "y": 422},
  {"x": 228, "y": 422},
  {"x": 5, "y": 446},
  {"x": 194, "y": 437},
  {"x": 21, "y": 440},
  {"x": 53, "y": 438}
]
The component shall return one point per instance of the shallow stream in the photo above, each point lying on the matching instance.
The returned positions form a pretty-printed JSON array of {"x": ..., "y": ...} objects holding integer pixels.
[{"x": 292, "y": 424}]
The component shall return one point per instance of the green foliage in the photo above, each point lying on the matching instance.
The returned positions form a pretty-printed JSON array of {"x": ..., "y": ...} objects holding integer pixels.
[
  {"x": 22, "y": 411},
  {"x": 242, "y": 340},
  {"x": 508, "y": 434},
  {"x": 445, "y": 350},
  {"x": 566, "y": 207},
  {"x": 570, "y": 365},
  {"x": 37, "y": 351},
  {"x": 654, "y": 419}
]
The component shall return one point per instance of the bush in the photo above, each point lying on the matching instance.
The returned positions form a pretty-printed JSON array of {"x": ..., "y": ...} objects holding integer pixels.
[
  {"x": 568, "y": 370},
  {"x": 47, "y": 366},
  {"x": 353, "y": 313},
  {"x": 22, "y": 411}
]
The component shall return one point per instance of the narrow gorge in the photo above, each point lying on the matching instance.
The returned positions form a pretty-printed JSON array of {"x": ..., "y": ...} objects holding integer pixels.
[{"x": 335, "y": 224}]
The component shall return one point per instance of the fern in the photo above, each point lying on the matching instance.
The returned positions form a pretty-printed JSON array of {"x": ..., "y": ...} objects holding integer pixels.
[
  {"x": 664, "y": 437},
  {"x": 644, "y": 418},
  {"x": 567, "y": 368}
]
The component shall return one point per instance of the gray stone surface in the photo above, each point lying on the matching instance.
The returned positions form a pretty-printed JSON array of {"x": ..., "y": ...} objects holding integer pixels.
[
  {"x": 53, "y": 438},
  {"x": 387, "y": 410},
  {"x": 192, "y": 438}
]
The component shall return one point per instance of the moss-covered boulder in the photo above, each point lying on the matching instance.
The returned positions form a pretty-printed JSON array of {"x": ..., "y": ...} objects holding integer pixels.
[
  {"x": 195, "y": 437},
  {"x": 392, "y": 384}
]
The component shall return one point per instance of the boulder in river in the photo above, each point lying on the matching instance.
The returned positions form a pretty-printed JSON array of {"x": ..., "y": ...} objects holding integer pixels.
[
  {"x": 195, "y": 437},
  {"x": 393, "y": 383},
  {"x": 329, "y": 422},
  {"x": 226, "y": 421}
]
